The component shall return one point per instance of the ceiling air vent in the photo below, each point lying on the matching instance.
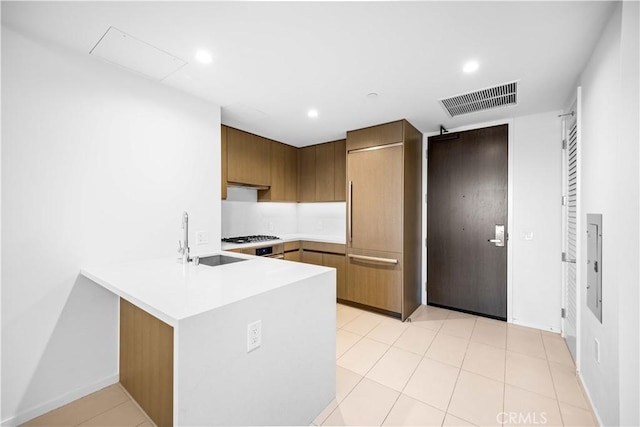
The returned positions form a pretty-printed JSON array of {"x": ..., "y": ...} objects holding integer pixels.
[{"x": 481, "y": 100}]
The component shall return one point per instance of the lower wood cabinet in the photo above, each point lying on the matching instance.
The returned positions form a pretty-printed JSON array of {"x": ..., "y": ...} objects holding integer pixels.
[
  {"x": 146, "y": 362},
  {"x": 317, "y": 253},
  {"x": 337, "y": 261},
  {"x": 292, "y": 251},
  {"x": 328, "y": 255}
]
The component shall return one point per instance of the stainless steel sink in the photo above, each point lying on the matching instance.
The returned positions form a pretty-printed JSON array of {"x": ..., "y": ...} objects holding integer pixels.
[{"x": 216, "y": 260}]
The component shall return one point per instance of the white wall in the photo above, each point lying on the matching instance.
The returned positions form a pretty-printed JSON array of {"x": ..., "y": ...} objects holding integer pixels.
[
  {"x": 629, "y": 294},
  {"x": 97, "y": 167},
  {"x": 611, "y": 186},
  {"x": 537, "y": 191}
]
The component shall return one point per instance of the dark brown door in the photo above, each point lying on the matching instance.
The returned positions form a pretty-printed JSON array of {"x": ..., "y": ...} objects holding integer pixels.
[{"x": 466, "y": 199}]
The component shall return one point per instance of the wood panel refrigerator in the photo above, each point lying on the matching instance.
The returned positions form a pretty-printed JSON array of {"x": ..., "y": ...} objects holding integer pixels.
[{"x": 384, "y": 224}]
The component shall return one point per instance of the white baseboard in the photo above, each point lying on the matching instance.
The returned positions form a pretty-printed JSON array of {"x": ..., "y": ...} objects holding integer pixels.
[
  {"x": 586, "y": 391},
  {"x": 42, "y": 409},
  {"x": 536, "y": 326}
]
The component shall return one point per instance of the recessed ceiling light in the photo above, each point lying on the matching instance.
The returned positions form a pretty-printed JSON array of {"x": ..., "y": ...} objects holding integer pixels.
[
  {"x": 204, "y": 57},
  {"x": 312, "y": 113},
  {"x": 471, "y": 66}
]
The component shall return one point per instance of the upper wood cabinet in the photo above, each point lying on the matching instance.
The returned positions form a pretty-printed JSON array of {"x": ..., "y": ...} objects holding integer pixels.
[
  {"x": 322, "y": 172},
  {"x": 340, "y": 170},
  {"x": 223, "y": 161},
  {"x": 248, "y": 159},
  {"x": 284, "y": 174},
  {"x": 374, "y": 136},
  {"x": 325, "y": 173},
  {"x": 307, "y": 174}
]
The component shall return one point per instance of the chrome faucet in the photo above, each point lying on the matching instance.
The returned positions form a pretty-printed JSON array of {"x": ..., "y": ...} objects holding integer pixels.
[{"x": 183, "y": 246}]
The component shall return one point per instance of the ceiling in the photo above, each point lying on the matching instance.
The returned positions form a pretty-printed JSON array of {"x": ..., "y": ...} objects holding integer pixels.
[{"x": 273, "y": 61}]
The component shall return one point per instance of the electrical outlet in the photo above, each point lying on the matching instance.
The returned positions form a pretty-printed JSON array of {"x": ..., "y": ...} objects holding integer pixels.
[
  {"x": 202, "y": 237},
  {"x": 254, "y": 335},
  {"x": 270, "y": 226}
]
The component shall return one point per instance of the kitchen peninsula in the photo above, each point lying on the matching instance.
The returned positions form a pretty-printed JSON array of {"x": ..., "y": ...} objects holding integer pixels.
[{"x": 197, "y": 321}]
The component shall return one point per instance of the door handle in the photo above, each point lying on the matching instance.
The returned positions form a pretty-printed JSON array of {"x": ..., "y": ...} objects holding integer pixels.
[{"x": 498, "y": 240}]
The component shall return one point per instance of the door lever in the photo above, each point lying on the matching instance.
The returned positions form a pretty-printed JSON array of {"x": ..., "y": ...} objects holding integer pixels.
[{"x": 498, "y": 240}]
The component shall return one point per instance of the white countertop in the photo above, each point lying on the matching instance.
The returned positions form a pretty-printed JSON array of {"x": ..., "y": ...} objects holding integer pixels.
[
  {"x": 172, "y": 291},
  {"x": 287, "y": 238}
]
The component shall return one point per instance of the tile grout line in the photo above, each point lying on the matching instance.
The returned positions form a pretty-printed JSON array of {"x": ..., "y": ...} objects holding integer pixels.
[
  {"x": 148, "y": 418},
  {"x": 553, "y": 383},
  {"x": 458, "y": 376},
  {"x": 504, "y": 383},
  {"x": 356, "y": 384},
  {"x": 103, "y": 412},
  {"x": 412, "y": 374},
  {"x": 381, "y": 356}
]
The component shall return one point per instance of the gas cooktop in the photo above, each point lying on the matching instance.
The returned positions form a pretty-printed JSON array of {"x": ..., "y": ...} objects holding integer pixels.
[{"x": 249, "y": 239}]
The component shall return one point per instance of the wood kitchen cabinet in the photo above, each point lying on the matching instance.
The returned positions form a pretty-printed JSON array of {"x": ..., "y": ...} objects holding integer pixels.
[
  {"x": 146, "y": 362},
  {"x": 307, "y": 174},
  {"x": 338, "y": 262},
  {"x": 223, "y": 161},
  {"x": 292, "y": 251},
  {"x": 284, "y": 174},
  {"x": 322, "y": 172},
  {"x": 384, "y": 218},
  {"x": 248, "y": 159},
  {"x": 340, "y": 170},
  {"x": 325, "y": 173},
  {"x": 328, "y": 255}
]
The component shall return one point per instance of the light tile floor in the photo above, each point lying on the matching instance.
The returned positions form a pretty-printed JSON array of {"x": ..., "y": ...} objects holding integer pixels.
[
  {"x": 443, "y": 369},
  {"x": 111, "y": 406},
  {"x": 447, "y": 368}
]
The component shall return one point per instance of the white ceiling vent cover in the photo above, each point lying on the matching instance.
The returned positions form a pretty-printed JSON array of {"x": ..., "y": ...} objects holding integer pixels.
[
  {"x": 124, "y": 50},
  {"x": 481, "y": 100}
]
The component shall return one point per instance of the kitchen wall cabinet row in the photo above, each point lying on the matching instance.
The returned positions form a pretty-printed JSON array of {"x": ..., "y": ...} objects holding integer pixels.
[{"x": 283, "y": 173}]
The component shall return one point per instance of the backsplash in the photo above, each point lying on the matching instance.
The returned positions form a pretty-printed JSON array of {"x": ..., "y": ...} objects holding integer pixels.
[
  {"x": 327, "y": 219},
  {"x": 242, "y": 215}
]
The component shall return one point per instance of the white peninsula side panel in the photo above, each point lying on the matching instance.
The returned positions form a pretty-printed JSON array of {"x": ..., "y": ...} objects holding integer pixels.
[{"x": 288, "y": 380}]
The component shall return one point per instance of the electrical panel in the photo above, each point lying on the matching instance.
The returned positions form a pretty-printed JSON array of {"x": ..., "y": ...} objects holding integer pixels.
[{"x": 594, "y": 264}]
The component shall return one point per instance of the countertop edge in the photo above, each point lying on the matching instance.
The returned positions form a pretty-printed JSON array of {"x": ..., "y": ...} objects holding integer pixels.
[
  {"x": 135, "y": 301},
  {"x": 101, "y": 275}
]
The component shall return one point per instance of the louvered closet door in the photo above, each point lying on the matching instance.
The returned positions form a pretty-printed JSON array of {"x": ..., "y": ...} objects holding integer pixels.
[{"x": 571, "y": 237}]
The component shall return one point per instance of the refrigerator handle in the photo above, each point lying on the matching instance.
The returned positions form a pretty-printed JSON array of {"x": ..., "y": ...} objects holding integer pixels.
[{"x": 350, "y": 212}]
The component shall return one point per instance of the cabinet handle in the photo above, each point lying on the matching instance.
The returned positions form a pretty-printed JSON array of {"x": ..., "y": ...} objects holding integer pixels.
[
  {"x": 350, "y": 213},
  {"x": 373, "y": 258}
]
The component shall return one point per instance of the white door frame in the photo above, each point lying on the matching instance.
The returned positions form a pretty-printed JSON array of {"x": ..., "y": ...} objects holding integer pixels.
[{"x": 578, "y": 110}]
